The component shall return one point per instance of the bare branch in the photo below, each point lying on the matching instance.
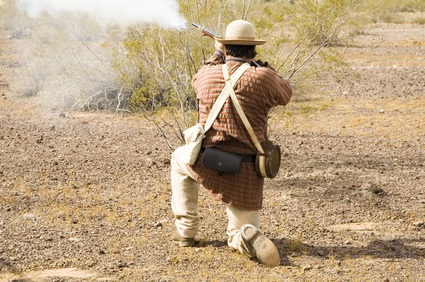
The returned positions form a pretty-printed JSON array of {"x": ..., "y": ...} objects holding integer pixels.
[{"x": 325, "y": 42}]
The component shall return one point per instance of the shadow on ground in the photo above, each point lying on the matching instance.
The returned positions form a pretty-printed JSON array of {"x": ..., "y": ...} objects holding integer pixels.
[{"x": 396, "y": 248}]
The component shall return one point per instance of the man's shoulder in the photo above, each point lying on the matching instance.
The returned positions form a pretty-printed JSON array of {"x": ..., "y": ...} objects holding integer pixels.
[{"x": 261, "y": 71}]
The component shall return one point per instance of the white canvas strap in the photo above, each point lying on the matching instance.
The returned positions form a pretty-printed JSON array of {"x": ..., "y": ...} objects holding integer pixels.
[
  {"x": 224, "y": 94},
  {"x": 229, "y": 84}
]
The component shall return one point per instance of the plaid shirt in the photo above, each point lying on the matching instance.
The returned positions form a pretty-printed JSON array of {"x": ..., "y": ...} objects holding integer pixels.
[{"x": 258, "y": 90}]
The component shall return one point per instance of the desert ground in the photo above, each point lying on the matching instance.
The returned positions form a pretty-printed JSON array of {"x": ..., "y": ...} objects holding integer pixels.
[{"x": 85, "y": 196}]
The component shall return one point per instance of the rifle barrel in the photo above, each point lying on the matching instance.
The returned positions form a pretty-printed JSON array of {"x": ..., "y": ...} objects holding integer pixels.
[{"x": 206, "y": 31}]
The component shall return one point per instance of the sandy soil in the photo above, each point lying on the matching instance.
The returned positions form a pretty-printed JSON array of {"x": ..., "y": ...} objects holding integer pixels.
[{"x": 86, "y": 196}]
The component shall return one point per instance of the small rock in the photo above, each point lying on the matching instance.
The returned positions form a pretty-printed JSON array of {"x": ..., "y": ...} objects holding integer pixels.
[
  {"x": 307, "y": 267},
  {"x": 373, "y": 188},
  {"x": 29, "y": 216},
  {"x": 321, "y": 253},
  {"x": 157, "y": 224},
  {"x": 149, "y": 162},
  {"x": 376, "y": 190},
  {"x": 419, "y": 224}
]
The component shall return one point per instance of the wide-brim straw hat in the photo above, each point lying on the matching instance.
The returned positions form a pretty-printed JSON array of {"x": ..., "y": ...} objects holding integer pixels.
[{"x": 240, "y": 32}]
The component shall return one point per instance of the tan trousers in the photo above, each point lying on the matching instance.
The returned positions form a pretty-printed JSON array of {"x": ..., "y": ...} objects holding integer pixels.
[{"x": 184, "y": 203}]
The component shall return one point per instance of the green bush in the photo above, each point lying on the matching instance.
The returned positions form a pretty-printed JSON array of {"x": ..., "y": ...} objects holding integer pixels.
[
  {"x": 157, "y": 65},
  {"x": 419, "y": 20},
  {"x": 298, "y": 32}
]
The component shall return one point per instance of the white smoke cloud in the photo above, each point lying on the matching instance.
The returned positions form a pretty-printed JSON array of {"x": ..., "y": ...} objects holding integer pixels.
[
  {"x": 69, "y": 62},
  {"x": 165, "y": 13}
]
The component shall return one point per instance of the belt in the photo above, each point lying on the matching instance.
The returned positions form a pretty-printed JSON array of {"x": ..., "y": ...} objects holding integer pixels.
[{"x": 249, "y": 158}]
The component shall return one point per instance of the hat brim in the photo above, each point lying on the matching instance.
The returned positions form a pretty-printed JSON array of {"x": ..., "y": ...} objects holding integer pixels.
[{"x": 240, "y": 41}]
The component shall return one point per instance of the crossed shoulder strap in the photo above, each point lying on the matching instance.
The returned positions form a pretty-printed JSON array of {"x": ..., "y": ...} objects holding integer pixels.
[
  {"x": 229, "y": 84},
  {"x": 224, "y": 93}
]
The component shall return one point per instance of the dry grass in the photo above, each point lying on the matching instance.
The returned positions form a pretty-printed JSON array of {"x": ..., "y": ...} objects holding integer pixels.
[{"x": 394, "y": 118}]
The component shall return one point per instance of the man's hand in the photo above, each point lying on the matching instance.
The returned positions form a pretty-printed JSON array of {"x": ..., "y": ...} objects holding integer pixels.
[{"x": 219, "y": 46}]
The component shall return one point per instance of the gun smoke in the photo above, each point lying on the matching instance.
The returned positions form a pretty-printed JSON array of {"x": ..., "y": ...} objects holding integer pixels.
[
  {"x": 66, "y": 63},
  {"x": 164, "y": 13}
]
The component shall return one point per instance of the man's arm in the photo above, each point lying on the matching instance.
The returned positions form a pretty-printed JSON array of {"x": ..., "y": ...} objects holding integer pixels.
[
  {"x": 218, "y": 57},
  {"x": 279, "y": 87}
]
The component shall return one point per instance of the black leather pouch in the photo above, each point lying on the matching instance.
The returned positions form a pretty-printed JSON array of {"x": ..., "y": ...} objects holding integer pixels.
[{"x": 221, "y": 161}]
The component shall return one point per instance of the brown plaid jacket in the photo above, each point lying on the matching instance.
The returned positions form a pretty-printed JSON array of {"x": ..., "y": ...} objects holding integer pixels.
[{"x": 258, "y": 90}]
